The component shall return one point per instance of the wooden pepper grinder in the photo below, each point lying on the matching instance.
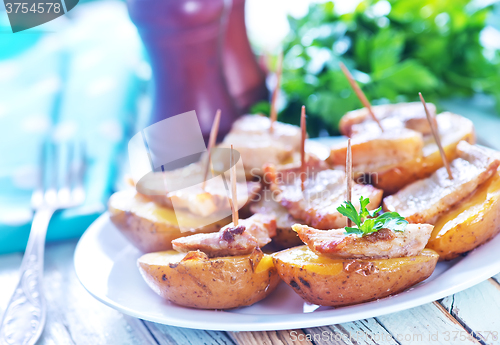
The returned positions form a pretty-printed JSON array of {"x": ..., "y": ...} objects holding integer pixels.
[
  {"x": 246, "y": 80},
  {"x": 184, "y": 41}
]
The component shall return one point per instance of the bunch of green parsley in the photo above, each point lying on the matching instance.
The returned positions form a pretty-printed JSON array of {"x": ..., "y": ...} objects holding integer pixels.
[{"x": 394, "y": 49}]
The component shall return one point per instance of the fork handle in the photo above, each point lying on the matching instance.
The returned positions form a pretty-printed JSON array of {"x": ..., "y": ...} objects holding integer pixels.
[{"x": 24, "y": 317}]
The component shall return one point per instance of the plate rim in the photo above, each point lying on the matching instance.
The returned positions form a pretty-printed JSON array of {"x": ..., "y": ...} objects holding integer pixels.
[{"x": 265, "y": 324}]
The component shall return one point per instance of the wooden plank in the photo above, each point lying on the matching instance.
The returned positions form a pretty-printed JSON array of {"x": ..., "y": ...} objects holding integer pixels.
[
  {"x": 9, "y": 276},
  {"x": 169, "y": 335},
  {"x": 367, "y": 331},
  {"x": 70, "y": 307},
  {"x": 478, "y": 310},
  {"x": 427, "y": 324},
  {"x": 287, "y": 337},
  {"x": 140, "y": 327},
  {"x": 54, "y": 332}
]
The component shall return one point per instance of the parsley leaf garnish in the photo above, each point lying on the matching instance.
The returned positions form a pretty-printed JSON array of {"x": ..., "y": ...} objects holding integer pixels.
[{"x": 368, "y": 222}]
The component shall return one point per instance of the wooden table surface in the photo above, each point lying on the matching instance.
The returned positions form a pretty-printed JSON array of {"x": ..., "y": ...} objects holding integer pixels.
[{"x": 75, "y": 317}]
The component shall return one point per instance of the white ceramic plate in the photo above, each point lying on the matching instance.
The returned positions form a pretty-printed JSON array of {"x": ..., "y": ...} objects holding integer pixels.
[{"x": 105, "y": 263}]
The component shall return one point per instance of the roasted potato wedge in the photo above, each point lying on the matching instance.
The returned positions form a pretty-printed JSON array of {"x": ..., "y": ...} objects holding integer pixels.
[
  {"x": 336, "y": 282},
  {"x": 194, "y": 280},
  {"x": 453, "y": 128},
  {"x": 150, "y": 227},
  {"x": 470, "y": 224}
]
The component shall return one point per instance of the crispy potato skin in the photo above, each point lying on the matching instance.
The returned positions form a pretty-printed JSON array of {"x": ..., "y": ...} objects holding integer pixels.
[
  {"x": 217, "y": 283},
  {"x": 335, "y": 283},
  {"x": 394, "y": 178},
  {"x": 470, "y": 224},
  {"x": 147, "y": 226}
]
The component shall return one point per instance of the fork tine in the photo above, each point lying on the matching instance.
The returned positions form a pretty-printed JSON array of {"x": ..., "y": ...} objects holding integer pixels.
[
  {"x": 51, "y": 191},
  {"x": 43, "y": 166},
  {"x": 70, "y": 172},
  {"x": 37, "y": 196},
  {"x": 81, "y": 166},
  {"x": 55, "y": 166},
  {"x": 64, "y": 193}
]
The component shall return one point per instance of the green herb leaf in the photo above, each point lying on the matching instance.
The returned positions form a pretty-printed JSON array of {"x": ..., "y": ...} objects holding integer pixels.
[
  {"x": 367, "y": 222},
  {"x": 347, "y": 209},
  {"x": 356, "y": 231},
  {"x": 375, "y": 212},
  {"x": 368, "y": 226},
  {"x": 363, "y": 202},
  {"x": 392, "y": 220}
]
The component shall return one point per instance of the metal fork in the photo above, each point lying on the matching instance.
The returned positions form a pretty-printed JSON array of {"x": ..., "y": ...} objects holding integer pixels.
[{"x": 24, "y": 318}]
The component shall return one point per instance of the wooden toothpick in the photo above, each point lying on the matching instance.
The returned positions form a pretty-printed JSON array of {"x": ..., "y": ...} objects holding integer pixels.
[
  {"x": 273, "y": 114},
  {"x": 303, "y": 147},
  {"x": 348, "y": 175},
  {"x": 211, "y": 144},
  {"x": 436, "y": 137},
  {"x": 360, "y": 94},
  {"x": 234, "y": 198}
]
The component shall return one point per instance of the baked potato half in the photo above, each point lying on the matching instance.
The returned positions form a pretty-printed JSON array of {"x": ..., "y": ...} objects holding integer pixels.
[
  {"x": 338, "y": 282},
  {"x": 194, "y": 280},
  {"x": 151, "y": 227},
  {"x": 470, "y": 224},
  {"x": 452, "y": 128}
]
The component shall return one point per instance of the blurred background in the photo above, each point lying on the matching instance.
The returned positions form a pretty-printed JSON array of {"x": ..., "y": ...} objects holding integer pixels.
[{"x": 107, "y": 69}]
